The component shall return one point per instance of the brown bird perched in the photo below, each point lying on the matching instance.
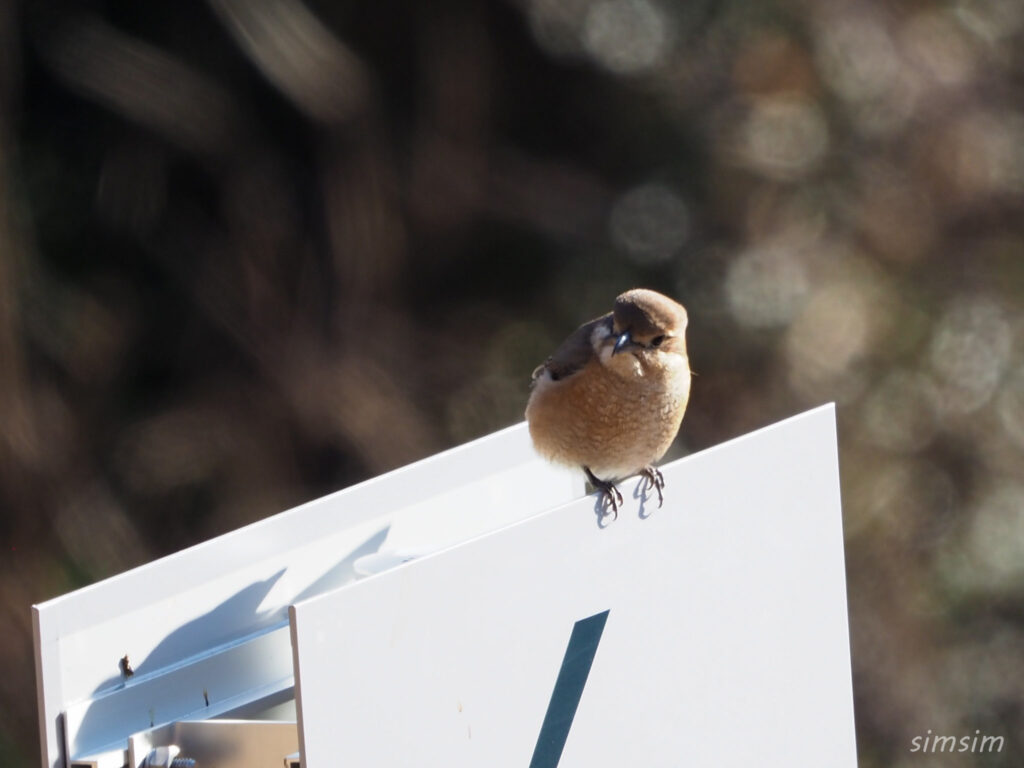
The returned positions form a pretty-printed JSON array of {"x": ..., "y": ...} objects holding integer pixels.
[{"x": 612, "y": 396}]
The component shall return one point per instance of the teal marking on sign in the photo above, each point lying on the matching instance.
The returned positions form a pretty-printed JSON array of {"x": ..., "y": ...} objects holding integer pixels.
[{"x": 572, "y": 677}]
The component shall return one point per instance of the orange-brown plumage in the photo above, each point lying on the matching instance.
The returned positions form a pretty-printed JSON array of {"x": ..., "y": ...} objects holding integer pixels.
[{"x": 612, "y": 396}]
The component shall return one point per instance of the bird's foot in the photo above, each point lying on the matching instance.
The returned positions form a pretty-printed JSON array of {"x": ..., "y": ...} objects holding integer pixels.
[
  {"x": 609, "y": 493},
  {"x": 654, "y": 480}
]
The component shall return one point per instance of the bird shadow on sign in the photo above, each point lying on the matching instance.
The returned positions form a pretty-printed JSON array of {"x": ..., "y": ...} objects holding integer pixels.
[
  {"x": 216, "y": 627},
  {"x": 239, "y": 615},
  {"x": 605, "y": 513},
  {"x": 642, "y": 494},
  {"x": 236, "y": 617}
]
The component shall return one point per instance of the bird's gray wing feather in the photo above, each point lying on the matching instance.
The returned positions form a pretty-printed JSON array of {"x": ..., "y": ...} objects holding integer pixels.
[{"x": 575, "y": 352}]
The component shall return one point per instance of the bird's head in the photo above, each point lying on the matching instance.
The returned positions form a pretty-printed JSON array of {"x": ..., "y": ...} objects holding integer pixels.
[{"x": 648, "y": 333}]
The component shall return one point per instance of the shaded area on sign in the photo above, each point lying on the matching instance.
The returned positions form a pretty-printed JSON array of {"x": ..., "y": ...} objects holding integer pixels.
[
  {"x": 239, "y": 615},
  {"x": 642, "y": 492},
  {"x": 238, "y": 618},
  {"x": 193, "y": 637}
]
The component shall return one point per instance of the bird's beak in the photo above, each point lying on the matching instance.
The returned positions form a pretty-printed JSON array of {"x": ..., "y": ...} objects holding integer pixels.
[{"x": 622, "y": 342}]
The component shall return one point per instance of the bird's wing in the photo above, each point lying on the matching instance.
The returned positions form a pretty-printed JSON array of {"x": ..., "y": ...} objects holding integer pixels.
[{"x": 575, "y": 352}]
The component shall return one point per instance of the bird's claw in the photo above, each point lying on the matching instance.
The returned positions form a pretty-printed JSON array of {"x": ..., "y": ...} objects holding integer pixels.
[
  {"x": 610, "y": 495},
  {"x": 656, "y": 480},
  {"x": 613, "y": 498}
]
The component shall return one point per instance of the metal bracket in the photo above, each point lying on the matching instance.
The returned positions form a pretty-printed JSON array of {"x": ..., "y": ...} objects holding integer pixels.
[{"x": 220, "y": 743}]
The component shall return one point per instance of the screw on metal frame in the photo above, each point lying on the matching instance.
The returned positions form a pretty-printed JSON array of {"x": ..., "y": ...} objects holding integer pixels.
[{"x": 167, "y": 757}]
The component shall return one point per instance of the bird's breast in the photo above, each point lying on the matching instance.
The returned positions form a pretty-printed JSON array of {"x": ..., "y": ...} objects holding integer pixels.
[{"x": 613, "y": 424}]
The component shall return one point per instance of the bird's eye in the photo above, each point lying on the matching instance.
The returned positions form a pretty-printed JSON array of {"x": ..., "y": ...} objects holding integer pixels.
[{"x": 656, "y": 341}]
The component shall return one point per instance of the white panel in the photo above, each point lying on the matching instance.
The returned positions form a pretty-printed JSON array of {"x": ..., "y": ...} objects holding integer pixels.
[
  {"x": 236, "y": 587},
  {"x": 726, "y": 640}
]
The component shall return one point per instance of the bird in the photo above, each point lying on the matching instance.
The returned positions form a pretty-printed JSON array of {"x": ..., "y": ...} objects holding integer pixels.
[{"x": 611, "y": 397}]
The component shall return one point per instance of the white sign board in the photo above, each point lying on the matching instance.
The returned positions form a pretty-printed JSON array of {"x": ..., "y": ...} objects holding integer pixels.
[{"x": 711, "y": 631}]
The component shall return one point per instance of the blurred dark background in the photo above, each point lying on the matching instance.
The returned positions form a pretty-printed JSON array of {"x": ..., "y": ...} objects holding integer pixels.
[{"x": 253, "y": 251}]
